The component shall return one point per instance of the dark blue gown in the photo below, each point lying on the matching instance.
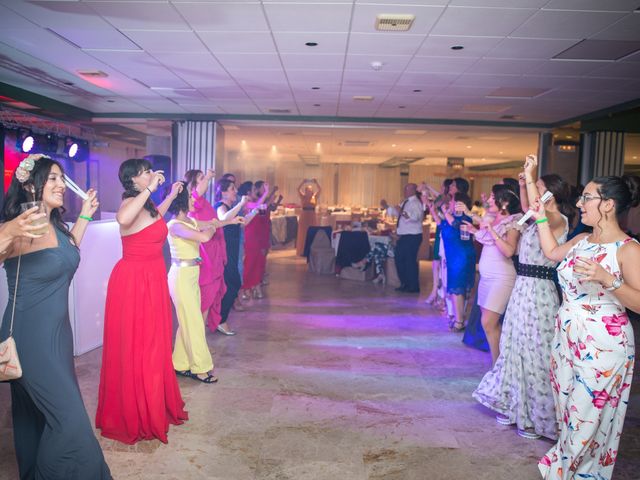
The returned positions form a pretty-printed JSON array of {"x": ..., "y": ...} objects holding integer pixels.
[
  {"x": 461, "y": 257},
  {"x": 52, "y": 432}
]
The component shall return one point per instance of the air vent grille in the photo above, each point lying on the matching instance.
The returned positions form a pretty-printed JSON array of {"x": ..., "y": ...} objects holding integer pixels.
[
  {"x": 394, "y": 23},
  {"x": 279, "y": 110}
]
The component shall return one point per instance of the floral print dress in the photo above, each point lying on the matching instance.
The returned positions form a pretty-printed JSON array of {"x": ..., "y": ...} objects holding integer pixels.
[{"x": 591, "y": 369}]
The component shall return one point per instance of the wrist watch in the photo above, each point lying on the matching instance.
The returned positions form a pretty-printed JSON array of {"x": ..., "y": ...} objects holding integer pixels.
[{"x": 615, "y": 284}]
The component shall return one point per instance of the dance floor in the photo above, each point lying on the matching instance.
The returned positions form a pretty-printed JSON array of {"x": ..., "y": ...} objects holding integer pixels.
[{"x": 338, "y": 380}]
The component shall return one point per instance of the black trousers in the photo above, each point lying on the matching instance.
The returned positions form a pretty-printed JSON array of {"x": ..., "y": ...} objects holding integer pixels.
[
  {"x": 232, "y": 277},
  {"x": 407, "y": 261}
]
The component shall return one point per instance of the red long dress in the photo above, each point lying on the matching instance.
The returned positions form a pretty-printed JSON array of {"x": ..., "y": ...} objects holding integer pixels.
[
  {"x": 257, "y": 239},
  {"x": 139, "y": 395}
]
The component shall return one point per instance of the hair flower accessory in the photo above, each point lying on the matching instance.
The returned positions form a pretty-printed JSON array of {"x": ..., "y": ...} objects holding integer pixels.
[{"x": 23, "y": 172}]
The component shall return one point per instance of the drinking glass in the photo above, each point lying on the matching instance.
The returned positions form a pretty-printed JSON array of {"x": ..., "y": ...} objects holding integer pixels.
[
  {"x": 44, "y": 221},
  {"x": 464, "y": 232},
  {"x": 584, "y": 254}
]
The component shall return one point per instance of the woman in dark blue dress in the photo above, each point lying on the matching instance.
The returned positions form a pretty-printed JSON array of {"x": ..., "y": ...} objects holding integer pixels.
[
  {"x": 461, "y": 258},
  {"x": 52, "y": 433}
]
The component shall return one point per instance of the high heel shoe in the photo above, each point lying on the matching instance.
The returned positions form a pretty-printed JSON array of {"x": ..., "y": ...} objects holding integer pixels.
[
  {"x": 380, "y": 279},
  {"x": 257, "y": 293}
]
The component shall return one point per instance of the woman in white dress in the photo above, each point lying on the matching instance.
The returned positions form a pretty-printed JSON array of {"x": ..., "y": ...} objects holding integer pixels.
[{"x": 497, "y": 271}]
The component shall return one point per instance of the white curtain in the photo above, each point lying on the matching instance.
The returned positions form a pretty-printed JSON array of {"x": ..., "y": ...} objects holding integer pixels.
[{"x": 195, "y": 148}]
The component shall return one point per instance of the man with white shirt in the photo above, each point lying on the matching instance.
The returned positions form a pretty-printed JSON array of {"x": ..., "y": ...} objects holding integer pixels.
[{"x": 409, "y": 239}]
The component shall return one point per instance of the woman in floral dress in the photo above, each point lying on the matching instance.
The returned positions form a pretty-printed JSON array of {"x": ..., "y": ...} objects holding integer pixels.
[
  {"x": 518, "y": 386},
  {"x": 593, "y": 351}
]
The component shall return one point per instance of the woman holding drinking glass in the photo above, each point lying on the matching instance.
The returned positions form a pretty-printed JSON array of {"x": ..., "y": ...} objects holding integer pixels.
[
  {"x": 593, "y": 349},
  {"x": 52, "y": 432}
]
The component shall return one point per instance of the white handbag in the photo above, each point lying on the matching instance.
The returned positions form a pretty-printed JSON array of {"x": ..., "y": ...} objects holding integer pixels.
[{"x": 10, "y": 368}]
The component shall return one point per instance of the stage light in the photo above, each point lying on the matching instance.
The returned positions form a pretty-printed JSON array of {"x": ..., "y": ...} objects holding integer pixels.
[
  {"x": 25, "y": 140},
  {"x": 70, "y": 147}
]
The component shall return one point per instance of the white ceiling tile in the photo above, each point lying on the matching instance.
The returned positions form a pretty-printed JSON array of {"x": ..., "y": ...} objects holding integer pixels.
[
  {"x": 500, "y": 3},
  {"x": 60, "y": 14},
  {"x": 412, "y": 78},
  {"x": 319, "y": 62},
  {"x": 485, "y": 22},
  {"x": 426, "y": 91},
  {"x": 190, "y": 62},
  {"x": 226, "y": 16},
  {"x": 634, "y": 57},
  {"x": 134, "y": 15},
  {"x": 565, "y": 67},
  {"x": 370, "y": 77},
  {"x": 501, "y": 66},
  {"x": 402, "y": 2},
  {"x": 261, "y": 77},
  {"x": 249, "y": 61},
  {"x": 384, "y": 43},
  {"x": 625, "y": 29},
  {"x": 595, "y": 83},
  {"x": 479, "y": 80},
  {"x": 440, "y": 64},
  {"x": 319, "y": 76},
  {"x": 239, "y": 108},
  {"x": 440, "y": 46},
  {"x": 592, "y": 5},
  {"x": 12, "y": 20},
  {"x": 238, "y": 42},
  {"x": 322, "y": 110},
  {"x": 466, "y": 91},
  {"x": 203, "y": 109},
  {"x": 393, "y": 63},
  {"x": 109, "y": 39},
  {"x": 364, "y": 17},
  {"x": 618, "y": 70},
  {"x": 166, "y": 41},
  {"x": 293, "y": 42},
  {"x": 561, "y": 24},
  {"x": 523, "y": 48},
  {"x": 219, "y": 91},
  {"x": 292, "y": 17}
]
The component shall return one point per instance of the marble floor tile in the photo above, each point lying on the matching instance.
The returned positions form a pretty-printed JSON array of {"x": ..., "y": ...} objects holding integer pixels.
[{"x": 332, "y": 379}]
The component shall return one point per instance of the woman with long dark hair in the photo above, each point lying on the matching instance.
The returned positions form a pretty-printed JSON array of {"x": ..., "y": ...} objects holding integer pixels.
[
  {"x": 518, "y": 387},
  {"x": 139, "y": 395},
  {"x": 593, "y": 350},
  {"x": 52, "y": 431},
  {"x": 500, "y": 239}
]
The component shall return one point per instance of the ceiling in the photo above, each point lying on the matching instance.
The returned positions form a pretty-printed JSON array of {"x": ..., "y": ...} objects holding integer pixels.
[{"x": 523, "y": 61}]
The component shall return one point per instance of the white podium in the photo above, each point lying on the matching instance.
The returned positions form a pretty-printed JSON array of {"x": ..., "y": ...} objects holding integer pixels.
[{"x": 100, "y": 249}]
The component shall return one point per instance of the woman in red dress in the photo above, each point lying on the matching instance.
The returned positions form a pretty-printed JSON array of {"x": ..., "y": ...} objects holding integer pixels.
[
  {"x": 139, "y": 395},
  {"x": 256, "y": 241}
]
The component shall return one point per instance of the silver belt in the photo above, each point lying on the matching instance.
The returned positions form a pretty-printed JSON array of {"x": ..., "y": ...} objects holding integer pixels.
[{"x": 186, "y": 262}]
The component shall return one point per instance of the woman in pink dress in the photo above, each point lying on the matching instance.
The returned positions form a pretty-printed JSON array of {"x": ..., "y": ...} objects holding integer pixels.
[{"x": 213, "y": 252}]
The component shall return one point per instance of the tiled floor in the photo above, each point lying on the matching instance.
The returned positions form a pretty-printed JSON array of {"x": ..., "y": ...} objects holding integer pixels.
[{"x": 332, "y": 379}]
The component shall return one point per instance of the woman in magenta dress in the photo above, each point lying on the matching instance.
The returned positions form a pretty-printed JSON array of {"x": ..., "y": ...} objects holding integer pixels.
[
  {"x": 256, "y": 241},
  {"x": 139, "y": 395},
  {"x": 213, "y": 252}
]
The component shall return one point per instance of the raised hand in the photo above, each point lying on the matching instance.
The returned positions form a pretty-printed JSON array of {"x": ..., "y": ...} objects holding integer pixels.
[
  {"x": 91, "y": 204},
  {"x": 157, "y": 179},
  {"x": 210, "y": 174},
  {"x": 531, "y": 163},
  {"x": 176, "y": 188},
  {"x": 470, "y": 227},
  {"x": 24, "y": 224},
  {"x": 244, "y": 200}
]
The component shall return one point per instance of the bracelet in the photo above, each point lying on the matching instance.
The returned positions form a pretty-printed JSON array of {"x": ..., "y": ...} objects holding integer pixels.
[
  {"x": 85, "y": 217},
  {"x": 542, "y": 220},
  {"x": 150, "y": 192},
  {"x": 531, "y": 183}
]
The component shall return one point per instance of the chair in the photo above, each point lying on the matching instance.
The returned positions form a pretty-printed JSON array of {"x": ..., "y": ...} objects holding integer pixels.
[{"x": 322, "y": 258}]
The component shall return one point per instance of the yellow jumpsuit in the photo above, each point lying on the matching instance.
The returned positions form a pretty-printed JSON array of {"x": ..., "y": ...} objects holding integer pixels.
[{"x": 190, "y": 351}]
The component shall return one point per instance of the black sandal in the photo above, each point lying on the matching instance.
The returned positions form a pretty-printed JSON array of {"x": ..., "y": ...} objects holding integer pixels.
[
  {"x": 184, "y": 373},
  {"x": 210, "y": 378},
  {"x": 458, "y": 327}
]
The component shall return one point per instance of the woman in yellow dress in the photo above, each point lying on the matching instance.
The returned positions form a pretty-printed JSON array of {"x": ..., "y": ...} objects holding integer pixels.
[{"x": 191, "y": 355}]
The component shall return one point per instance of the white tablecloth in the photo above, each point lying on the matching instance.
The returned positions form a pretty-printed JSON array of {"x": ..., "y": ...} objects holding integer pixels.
[{"x": 335, "y": 240}]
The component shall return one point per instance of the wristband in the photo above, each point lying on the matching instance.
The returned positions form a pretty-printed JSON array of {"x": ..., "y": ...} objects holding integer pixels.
[
  {"x": 150, "y": 192},
  {"x": 85, "y": 217},
  {"x": 542, "y": 220}
]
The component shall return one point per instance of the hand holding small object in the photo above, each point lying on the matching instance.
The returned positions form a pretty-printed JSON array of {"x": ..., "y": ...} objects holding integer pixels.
[
  {"x": 91, "y": 203},
  {"x": 536, "y": 209},
  {"x": 591, "y": 271},
  {"x": 24, "y": 224}
]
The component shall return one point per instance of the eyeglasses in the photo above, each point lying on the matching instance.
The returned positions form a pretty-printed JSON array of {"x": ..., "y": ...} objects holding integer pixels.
[{"x": 585, "y": 198}]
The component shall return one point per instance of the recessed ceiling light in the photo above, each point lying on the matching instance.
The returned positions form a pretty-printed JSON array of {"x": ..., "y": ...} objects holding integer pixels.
[
  {"x": 634, "y": 157},
  {"x": 500, "y": 153},
  {"x": 311, "y": 44},
  {"x": 69, "y": 83},
  {"x": 411, "y": 149},
  {"x": 111, "y": 101},
  {"x": 315, "y": 88},
  {"x": 393, "y": 144},
  {"x": 417, "y": 90},
  {"x": 457, "y": 47},
  {"x": 316, "y": 104},
  {"x": 402, "y": 106},
  {"x": 569, "y": 136},
  {"x": 468, "y": 146}
]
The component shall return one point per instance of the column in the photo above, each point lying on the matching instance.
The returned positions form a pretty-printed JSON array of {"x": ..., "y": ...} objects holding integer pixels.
[{"x": 602, "y": 153}]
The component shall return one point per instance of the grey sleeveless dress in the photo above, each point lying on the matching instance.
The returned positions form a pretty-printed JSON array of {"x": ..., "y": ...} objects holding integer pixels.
[{"x": 52, "y": 432}]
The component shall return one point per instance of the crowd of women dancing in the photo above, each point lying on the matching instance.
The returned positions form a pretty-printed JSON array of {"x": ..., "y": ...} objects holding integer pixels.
[
  {"x": 552, "y": 300},
  {"x": 218, "y": 255}
]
